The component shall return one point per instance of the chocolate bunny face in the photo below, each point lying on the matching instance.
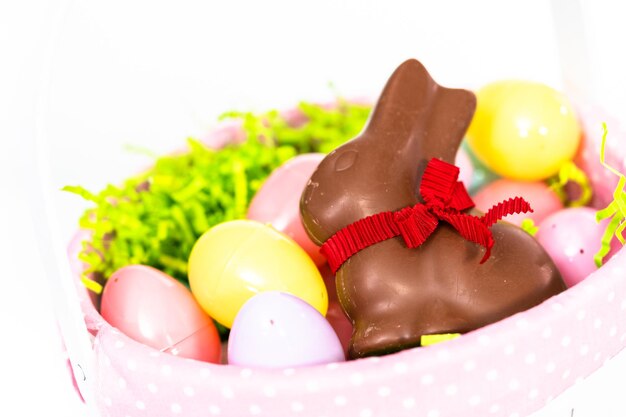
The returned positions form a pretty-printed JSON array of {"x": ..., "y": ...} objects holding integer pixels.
[{"x": 394, "y": 294}]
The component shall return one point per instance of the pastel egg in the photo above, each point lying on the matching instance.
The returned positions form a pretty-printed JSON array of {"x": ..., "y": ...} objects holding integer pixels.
[
  {"x": 235, "y": 260},
  {"x": 335, "y": 315},
  {"x": 341, "y": 325},
  {"x": 523, "y": 130},
  {"x": 278, "y": 201},
  {"x": 153, "y": 308},
  {"x": 464, "y": 163},
  {"x": 277, "y": 330},
  {"x": 572, "y": 237},
  {"x": 542, "y": 199}
]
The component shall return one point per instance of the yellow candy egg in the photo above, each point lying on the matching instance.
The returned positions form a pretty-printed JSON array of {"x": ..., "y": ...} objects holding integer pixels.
[
  {"x": 235, "y": 260},
  {"x": 523, "y": 130}
]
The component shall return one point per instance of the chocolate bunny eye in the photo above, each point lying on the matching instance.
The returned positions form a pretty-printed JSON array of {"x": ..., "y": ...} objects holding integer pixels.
[{"x": 346, "y": 160}]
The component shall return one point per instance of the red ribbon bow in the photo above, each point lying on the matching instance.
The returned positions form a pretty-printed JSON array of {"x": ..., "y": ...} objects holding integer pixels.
[{"x": 445, "y": 199}]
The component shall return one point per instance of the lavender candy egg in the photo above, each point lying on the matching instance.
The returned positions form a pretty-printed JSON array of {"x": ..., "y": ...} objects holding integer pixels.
[
  {"x": 278, "y": 330},
  {"x": 572, "y": 237}
]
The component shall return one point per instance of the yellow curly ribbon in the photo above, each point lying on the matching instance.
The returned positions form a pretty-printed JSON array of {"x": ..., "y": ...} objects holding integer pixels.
[
  {"x": 616, "y": 210},
  {"x": 569, "y": 172},
  {"x": 431, "y": 339}
]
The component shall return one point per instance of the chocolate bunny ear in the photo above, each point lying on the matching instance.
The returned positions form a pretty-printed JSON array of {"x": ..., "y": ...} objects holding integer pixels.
[
  {"x": 414, "y": 120},
  {"x": 419, "y": 116}
]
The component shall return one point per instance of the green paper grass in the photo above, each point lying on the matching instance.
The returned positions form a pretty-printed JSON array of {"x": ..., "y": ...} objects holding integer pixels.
[
  {"x": 616, "y": 210},
  {"x": 155, "y": 218}
]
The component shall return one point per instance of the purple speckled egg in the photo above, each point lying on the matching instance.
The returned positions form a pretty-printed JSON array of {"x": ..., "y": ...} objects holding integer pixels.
[
  {"x": 572, "y": 238},
  {"x": 278, "y": 330}
]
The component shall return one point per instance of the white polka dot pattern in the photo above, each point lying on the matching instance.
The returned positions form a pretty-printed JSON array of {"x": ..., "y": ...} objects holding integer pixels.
[{"x": 508, "y": 369}]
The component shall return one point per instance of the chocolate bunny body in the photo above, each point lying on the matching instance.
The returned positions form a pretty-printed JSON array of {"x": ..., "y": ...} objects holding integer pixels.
[{"x": 394, "y": 294}]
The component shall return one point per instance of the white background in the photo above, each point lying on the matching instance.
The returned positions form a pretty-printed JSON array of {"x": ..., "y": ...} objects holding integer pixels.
[{"x": 91, "y": 77}]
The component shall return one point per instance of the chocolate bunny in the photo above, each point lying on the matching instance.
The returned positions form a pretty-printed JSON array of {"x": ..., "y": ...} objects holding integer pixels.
[{"x": 394, "y": 294}]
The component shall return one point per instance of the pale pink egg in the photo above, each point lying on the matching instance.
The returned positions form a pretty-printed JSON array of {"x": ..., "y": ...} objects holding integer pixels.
[
  {"x": 340, "y": 324},
  {"x": 542, "y": 199},
  {"x": 572, "y": 237},
  {"x": 153, "y": 308},
  {"x": 464, "y": 163},
  {"x": 278, "y": 201},
  {"x": 335, "y": 315}
]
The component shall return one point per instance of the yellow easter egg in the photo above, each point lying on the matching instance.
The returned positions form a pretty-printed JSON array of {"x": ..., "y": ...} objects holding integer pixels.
[
  {"x": 235, "y": 260},
  {"x": 523, "y": 130}
]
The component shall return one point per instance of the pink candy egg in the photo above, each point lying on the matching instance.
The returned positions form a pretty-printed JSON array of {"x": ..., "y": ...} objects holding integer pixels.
[
  {"x": 572, "y": 237},
  {"x": 542, "y": 199},
  {"x": 278, "y": 201},
  {"x": 340, "y": 324},
  {"x": 277, "y": 330},
  {"x": 335, "y": 315},
  {"x": 464, "y": 163},
  {"x": 153, "y": 308}
]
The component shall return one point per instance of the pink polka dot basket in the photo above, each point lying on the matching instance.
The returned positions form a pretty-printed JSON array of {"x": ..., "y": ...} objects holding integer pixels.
[{"x": 512, "y": 367}]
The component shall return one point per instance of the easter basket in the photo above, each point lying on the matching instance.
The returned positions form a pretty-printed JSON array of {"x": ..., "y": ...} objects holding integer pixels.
[
  {"x": 512, "y": 367},
  {"x": 509, "y": 369}
]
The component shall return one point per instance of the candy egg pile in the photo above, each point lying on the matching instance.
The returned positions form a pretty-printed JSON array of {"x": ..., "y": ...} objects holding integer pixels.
[
  {"x": 258, "y": 272},
  {"x": 528, "y": 133}
]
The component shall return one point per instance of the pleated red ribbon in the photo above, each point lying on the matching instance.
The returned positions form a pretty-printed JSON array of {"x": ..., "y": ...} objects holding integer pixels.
[{"x": 445, "y": 199}]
